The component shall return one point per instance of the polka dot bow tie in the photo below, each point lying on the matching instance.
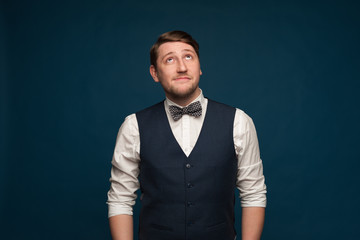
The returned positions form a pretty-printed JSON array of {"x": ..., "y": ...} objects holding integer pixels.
[{"x": 193, "y": 109}]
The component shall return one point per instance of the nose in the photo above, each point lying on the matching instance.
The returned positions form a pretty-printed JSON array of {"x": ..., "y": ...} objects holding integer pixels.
[{"x": 181, "y": 67}]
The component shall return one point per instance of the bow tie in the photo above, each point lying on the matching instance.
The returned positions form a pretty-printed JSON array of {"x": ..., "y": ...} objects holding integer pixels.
[{"x": 193, "y": 109}]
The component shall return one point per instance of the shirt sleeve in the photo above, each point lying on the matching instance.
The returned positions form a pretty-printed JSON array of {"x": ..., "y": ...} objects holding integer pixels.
[
  {"x": 250, "y": 178},
  {"x": 125, "y": 169}
]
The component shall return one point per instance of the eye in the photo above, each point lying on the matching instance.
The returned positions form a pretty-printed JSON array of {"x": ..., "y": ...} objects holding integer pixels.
[
  {"x": 188, "y": 57},
  {"x": 169, "y": 60}
]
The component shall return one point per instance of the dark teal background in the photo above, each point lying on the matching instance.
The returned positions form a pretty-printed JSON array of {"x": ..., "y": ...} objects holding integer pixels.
[{"x": 71, "y": 71}]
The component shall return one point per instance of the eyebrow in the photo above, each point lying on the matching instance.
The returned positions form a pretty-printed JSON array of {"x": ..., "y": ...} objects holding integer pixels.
[{"x": 184, "y": 50}]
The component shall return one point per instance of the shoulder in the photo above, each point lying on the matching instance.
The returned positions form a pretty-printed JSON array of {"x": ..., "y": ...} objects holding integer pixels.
[
  {"x": 243, "y": 123},
  {"x": 242, "y": 116},
  {"x": 130, "y": 118},
  {"x": 129, "y": 125}
]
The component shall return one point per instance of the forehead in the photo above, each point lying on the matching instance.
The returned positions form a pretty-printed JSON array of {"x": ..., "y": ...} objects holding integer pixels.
[{"x": 175, "y": 47}]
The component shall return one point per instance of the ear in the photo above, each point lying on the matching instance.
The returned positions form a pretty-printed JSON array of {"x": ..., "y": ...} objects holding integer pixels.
[
  {"x": 153, "y": 73},
  {"x": 200, "y": 72}
]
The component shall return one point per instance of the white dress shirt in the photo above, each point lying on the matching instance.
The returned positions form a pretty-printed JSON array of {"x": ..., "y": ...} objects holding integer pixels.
[{"x": 126, "y": 158}]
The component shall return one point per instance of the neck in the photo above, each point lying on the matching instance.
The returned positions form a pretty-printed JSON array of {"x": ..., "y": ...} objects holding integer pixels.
[{"x": 184, "y": 101}]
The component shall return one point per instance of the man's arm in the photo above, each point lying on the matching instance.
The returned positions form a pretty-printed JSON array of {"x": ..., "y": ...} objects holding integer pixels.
[
  {"x": 124, "y": 182},
  {"x": 250, "y": 179},
  {"x": 252, "y": 222},
  {"x": 121, "y": 227}
]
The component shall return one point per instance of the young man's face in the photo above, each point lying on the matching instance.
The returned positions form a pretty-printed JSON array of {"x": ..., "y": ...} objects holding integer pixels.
[{"x": 178, "y": 70}]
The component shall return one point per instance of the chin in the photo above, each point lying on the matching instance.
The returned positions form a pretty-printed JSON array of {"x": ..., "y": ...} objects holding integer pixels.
[{"x": 184, "y": 93}]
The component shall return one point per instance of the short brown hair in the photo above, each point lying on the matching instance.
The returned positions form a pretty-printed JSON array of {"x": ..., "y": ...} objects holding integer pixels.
[{"x": 172, "y": 36}]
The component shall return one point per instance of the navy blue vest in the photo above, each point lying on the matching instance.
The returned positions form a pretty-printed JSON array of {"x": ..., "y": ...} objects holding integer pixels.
[{"x": 184, "y": 197}]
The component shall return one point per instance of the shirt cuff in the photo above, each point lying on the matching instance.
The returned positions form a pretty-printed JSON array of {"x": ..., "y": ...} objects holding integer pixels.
[
  {"x": 118, "y": 209},
  {"x": 255, "y": 200}
]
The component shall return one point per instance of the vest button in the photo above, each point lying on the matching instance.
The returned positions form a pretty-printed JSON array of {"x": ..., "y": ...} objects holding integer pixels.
[
  {"x": 190, "y": 185},
  {"x": 188, "y": 165},
  {"x": 189, "y": 204}
]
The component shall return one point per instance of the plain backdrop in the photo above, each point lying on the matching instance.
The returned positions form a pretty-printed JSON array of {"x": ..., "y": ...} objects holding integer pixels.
[{"x": 71, "y": 71}]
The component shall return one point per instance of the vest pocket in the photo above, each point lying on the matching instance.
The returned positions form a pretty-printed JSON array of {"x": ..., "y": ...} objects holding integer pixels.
[
  {"x": 215, "y": 226},
  {"x": 161, "y": 227}
]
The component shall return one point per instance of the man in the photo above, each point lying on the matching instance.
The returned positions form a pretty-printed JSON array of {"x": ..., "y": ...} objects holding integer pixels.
[{"x": 187, "y": 154}]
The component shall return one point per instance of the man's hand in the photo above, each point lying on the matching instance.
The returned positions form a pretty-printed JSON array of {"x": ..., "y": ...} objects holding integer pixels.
[
  {"x": 252, "y": 222},
  {"x": 121, "y": 227}
]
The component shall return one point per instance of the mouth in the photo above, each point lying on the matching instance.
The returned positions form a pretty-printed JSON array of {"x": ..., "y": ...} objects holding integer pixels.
[{"x": 182, "y": 78}]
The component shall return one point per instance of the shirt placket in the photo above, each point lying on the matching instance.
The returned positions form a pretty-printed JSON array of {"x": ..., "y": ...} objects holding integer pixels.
[{"x": 186, "y": 133}]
